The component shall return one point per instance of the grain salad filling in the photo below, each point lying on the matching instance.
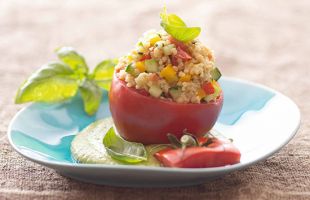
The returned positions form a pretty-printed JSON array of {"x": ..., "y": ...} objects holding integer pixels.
[{"x": 165, "y": 68}]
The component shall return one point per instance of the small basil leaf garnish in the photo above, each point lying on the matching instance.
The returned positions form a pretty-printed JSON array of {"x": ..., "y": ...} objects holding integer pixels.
[
  {"x": 177, "y": 28},
  {"x": 122, "y": 150}
]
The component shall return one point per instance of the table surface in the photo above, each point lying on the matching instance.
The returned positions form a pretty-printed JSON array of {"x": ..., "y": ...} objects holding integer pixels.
[{"x": 263, "y": 41}]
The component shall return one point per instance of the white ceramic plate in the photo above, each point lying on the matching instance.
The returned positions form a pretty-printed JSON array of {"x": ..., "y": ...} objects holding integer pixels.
[{"x": 258, "y": 119}]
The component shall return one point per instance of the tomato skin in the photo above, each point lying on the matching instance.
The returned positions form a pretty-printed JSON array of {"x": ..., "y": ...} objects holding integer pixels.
[
  {"x": 147, "y": 120},
  {"x": 217, "y": 154},
  {"x": 143, "y": 92}
]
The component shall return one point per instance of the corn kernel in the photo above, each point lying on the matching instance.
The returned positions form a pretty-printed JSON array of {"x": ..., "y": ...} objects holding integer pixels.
[
  {"x": 169, "y": 74},
  {"x": 154, "y": 40},
  {"x": 186, "y": 78},
  {"x": 140, "y": 66}
]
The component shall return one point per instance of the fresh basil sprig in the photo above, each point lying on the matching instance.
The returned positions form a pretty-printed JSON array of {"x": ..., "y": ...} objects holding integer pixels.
[
  {"x": 59, "y": 81},
  {"x": 103, "y": 73},
  {"x": 177, "y": 28},
  {"x": 122, "y": 150}
]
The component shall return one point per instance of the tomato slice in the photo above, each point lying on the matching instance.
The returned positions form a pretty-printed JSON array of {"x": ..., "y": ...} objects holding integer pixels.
[{"x": 217, "y": 154}]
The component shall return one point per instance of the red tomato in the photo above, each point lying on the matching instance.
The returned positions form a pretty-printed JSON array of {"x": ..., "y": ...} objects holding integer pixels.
[
  {"x": 145, "y": 57},
  {"x": 174, "y": 60},
  {"x": 182, "y": 51},
  {"x": 143, "y": 92},
  {"x": 219, "y": 153},
  {"x": 208, "y": 88},
  {"x": 145, "y": 119},
  {"x": 182, "y": 54},
  {"x": 177, "y": 43}
]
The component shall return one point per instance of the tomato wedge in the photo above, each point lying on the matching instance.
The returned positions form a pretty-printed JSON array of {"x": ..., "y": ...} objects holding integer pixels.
[{"x": 218, "y": 153}]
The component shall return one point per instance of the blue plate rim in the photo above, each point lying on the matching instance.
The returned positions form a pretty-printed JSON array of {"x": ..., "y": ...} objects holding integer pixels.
[{"x": 239, "y": 166}]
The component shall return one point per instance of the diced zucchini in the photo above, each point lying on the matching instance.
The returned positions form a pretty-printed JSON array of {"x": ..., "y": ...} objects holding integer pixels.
[
  {"x": 216, "y": 74},
  {"x": 155, "y": 91},
  {"x": 210, "y": 97},
  {"x": 175, "y": 92},
  {"x": 151, "y": 65},
  {"x": 130, "y": 70}
]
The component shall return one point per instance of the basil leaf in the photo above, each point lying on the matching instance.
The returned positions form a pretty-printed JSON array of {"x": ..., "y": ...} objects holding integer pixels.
[
  {"x": 122, "y": 150},
  {"x": 91, "y": 94},
  {"x": 183, "y": 34},
  {"x": 103, "y": 73},
  {"x": 51, "y": 83},
  {"x": 69, "y": 56},
  {"x": 171, "y": 19},
  {"x": 177, "y": 28}
]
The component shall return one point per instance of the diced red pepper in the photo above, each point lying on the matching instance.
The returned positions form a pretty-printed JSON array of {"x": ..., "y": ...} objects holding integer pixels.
[
  {"x": 145, "y": 57},
  {"x": 208, "y": 88}
]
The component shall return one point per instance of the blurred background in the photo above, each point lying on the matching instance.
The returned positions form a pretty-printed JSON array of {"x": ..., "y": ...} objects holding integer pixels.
[
  {"x": 264, "y": 41},
  {"x": 260, "y": 40}
]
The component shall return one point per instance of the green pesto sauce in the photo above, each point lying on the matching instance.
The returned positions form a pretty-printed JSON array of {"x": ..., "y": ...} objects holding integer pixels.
[{"x": 87, "y": 146}]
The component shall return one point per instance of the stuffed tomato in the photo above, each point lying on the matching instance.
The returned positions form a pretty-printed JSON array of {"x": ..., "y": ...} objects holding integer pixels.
[
  {"x": 165, "y": 86},
  {"x": 145, "y": 119}
]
